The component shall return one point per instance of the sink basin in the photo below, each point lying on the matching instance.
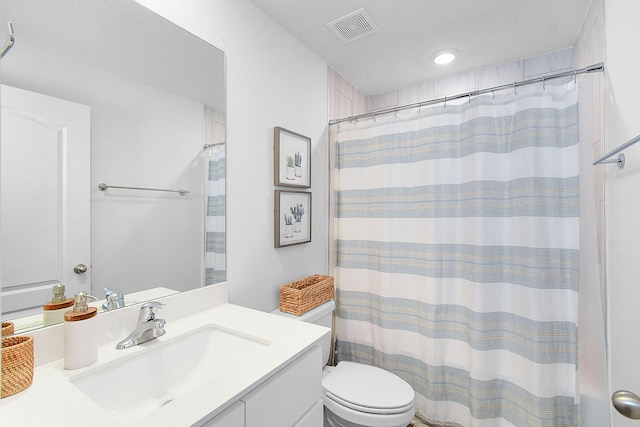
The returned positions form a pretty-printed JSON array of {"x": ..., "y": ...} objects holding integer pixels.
[{"x": 135, "y": 386}]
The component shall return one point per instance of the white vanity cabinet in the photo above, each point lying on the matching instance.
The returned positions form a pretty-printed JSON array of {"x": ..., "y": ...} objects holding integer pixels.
[
  {"x": 267, "y": 372},
  {"x": 291, "y": 397},
  {"x": 230, "y": 417}
]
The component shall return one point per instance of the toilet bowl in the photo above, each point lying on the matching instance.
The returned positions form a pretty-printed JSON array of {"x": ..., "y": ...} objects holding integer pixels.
[{"x": 356, "y": 394}]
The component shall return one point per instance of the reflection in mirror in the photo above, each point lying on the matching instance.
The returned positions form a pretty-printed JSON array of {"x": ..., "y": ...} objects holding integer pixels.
[{"x": 107, "y": 92}]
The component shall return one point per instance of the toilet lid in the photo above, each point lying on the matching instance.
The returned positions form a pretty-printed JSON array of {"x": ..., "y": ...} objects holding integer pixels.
[{"x": 368, "y": 389}]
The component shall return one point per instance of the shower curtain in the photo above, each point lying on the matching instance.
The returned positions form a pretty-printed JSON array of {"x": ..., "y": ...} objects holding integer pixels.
[
  {"x": 215, "y": 183},
  {"x": 456, "y": 250}
]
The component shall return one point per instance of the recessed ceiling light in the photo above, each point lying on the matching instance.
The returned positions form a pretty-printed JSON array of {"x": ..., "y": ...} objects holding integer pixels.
[{"x": 444, "y": 56}]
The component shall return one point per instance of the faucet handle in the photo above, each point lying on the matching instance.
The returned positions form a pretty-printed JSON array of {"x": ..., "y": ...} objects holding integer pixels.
[{"x": 148, "y": 311}]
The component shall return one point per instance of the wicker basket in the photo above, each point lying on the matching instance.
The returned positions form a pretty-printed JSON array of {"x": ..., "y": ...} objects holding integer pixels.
[
  {"x": 302, "y": 295},
  {"x": 7, "y": 328},
  {"x": 17, "y": 364}
]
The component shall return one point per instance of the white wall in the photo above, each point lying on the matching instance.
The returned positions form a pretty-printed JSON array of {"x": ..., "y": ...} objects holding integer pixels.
[
  {"x": 145, "y": 137},
  {"x": 622, "y": 113},
  {"x": 272, "y": 80}
]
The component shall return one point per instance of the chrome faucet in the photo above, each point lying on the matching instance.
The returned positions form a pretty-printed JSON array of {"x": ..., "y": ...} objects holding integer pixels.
[
  {"x": 114, "y": 299},
  {"x": 148, "y": 327}
]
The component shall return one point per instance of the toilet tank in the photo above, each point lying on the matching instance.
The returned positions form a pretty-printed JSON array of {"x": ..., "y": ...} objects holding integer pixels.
[{"x": 321, "y": 315}]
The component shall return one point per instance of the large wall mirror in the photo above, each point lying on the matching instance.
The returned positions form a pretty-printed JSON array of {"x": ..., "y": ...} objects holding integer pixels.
[{"x": 107, "y": 92}]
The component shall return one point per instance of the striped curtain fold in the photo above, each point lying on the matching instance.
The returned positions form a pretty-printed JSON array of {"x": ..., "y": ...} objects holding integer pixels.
[
  {"x": 457, "y": 255},
  {"x": 215, "y": 219}
]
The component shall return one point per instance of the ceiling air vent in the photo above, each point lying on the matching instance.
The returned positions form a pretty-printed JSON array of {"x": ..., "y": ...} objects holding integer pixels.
[{"x": 353, "y": 26}]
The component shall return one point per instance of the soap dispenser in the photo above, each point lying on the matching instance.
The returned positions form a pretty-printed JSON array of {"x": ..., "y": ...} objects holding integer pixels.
[
  {"x": 80, "y": 333},
  {"x": 53, "y": 311}
]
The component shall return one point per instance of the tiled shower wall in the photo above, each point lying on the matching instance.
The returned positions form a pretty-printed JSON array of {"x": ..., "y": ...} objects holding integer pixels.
[{"x": 346, "y": 100}]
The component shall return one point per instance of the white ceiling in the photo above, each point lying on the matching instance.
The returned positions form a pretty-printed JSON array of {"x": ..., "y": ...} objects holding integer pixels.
[{"x": 485, "y": 32}]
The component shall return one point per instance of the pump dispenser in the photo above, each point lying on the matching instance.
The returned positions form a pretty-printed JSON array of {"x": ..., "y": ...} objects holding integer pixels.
[
  {"x": 53, "y": 311},
  {"x": 80, "y": 334}
]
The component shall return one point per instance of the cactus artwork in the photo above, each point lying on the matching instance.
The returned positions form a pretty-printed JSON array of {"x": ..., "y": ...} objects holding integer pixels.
[
  {"x": 288, "y": 226},
  {"x": 291, "y": 174},
  {"x": 297, "y": 211},
  {"x": 290, "y": 161},
  {"x": 298, "y": 161},
  {"x": 293, "y": 212}
]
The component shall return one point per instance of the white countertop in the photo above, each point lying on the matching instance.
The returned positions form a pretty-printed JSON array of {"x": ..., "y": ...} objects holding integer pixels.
[{"x": 52, "y": 400}]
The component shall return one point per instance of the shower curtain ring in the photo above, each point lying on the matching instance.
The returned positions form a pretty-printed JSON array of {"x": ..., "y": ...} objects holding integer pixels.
[
  {"x": 544, "y": 86},
  {"x": 469, "y": 97},
  {"x": 445, "y": 102},
  {"x": 515, "y": 88}
]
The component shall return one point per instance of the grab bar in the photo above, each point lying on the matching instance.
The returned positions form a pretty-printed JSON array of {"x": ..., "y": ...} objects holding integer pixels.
[
  {"x": 103, "y": 187},
  {"x": 620, "y": 160}
]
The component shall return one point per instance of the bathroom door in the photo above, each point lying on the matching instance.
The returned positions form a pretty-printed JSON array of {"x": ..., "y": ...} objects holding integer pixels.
[{"x": 44, "y": 199}]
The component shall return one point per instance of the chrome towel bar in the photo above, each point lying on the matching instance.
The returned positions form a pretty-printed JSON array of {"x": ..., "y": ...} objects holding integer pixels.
[
  {"x": 10, "y": 43},
  {"x": 620, "y": 160},
  {"x": 103, "y": 187}
]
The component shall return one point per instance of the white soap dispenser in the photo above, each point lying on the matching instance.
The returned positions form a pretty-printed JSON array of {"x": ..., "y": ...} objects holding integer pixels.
[
  {"x": 53, "y": 311},
  {"x": 80, "y": 333}
]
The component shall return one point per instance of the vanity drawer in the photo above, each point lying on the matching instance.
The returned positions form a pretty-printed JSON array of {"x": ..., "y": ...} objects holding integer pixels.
[
  {"x": 231, "y": 417},
  {"x": 287, "y": 396}
]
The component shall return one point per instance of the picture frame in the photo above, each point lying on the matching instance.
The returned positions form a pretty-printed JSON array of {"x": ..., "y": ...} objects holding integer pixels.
[
  {"x": 292, "y": 158},
  {"x": 292, "y": 218}
]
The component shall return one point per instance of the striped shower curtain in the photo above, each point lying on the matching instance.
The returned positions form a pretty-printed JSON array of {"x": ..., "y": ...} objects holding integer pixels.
[
  {"x": 215, "y": 175},
  {"x": 456, "y": 239}
]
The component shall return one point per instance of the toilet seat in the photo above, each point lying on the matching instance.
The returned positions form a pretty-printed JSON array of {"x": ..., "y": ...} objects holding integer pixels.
[{"x": 368, "y": 389}]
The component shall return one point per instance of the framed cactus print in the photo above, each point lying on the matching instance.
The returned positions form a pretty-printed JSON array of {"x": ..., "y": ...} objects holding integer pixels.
[
  {"x": 292, "y": 218},
  {"x": 292, "y": 158}
]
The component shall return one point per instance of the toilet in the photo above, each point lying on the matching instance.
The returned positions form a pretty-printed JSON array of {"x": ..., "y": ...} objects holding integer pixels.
[{"x": 355, "y": 394}]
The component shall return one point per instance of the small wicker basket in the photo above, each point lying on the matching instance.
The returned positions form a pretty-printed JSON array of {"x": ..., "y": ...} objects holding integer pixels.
[
  {"x": 7, "y": 328},
  {"x": 17, "y": 364},
  {"x": 302, "y": 295}
]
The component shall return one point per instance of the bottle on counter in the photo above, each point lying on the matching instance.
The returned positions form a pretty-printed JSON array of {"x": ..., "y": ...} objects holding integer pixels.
[
  {"x": 53, "y": 311},
  {"x": 80, "y": 333}
]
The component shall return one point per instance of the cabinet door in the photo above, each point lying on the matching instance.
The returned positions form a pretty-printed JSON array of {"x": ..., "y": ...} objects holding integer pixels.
[
  {"x": 285, "y": 398},
  {"x": 231, "y": 417}
]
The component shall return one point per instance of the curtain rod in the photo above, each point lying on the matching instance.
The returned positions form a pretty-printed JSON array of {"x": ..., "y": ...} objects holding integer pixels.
[{"x": 590, "y": 69}]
